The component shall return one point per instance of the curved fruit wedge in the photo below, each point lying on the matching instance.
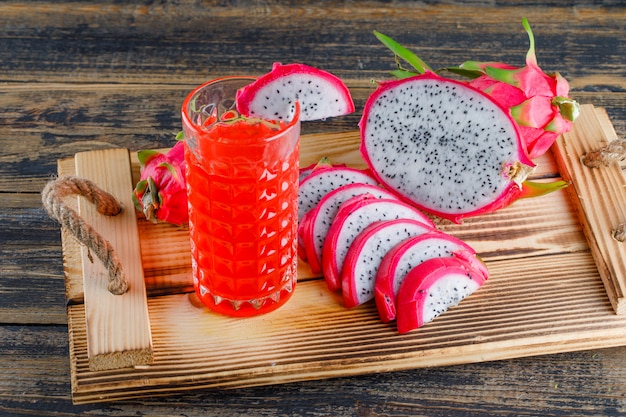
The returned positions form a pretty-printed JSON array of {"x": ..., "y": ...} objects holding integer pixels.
[
  {"x": 323, "y": 180},
  {"x": 319, "y": 219},
  {"x": 433, "y": 287},
  {"x": 273, "y": 95},
  {"x": 405, "y": 256},
  {"x": 358, "y": 275},
  {"x": 352, "y": 218}
]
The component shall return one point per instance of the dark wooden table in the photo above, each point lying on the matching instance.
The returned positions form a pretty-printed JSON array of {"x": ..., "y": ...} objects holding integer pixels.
[{"x": 78, "y": 76}]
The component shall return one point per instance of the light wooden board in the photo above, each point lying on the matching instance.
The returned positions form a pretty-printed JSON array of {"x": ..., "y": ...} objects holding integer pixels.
[
  {"x": 118, "y": 326},
  {"x": 599, "y": 197},
  {"x": 544, "y": 295}
]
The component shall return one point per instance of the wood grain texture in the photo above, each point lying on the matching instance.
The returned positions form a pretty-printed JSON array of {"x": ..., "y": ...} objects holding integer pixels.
[
  {"x": 599, "y": 197},
  {"x": 197, "y": 349},
  {"x": 80, "y": 76},
  {"x": 548, "y": 385},
  {"x": 118, "y": 326}
]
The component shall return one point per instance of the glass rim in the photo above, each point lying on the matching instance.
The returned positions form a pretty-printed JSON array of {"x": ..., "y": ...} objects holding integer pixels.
[{"x": 189, "y": 124}]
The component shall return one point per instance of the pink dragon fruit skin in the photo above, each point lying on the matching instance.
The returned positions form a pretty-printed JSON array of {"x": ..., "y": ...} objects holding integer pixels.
[
  {"x": 362, "y": 261},
  {"x": 304, "y": 172},
  {"x": 434, "y": 286},
  {"x": 315, "y": 184},
  {"x": 316, "y": 223},
  {"x": 353, "y": 217},
  {"x": 406, "y": 255},
  {"x": 321, "y": 164},
  {"x": 324, "y": 179},
  {"x": 161, "y": 192},
  {"x": 272, "y": 96},
  {"x": 446, "y": 147},
  {"x": 539, "y": 102}
]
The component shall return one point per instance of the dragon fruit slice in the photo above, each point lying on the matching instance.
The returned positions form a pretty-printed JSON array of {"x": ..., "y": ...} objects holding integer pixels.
[
  {"x": 316, "y": 223},
  {"x": 358, "y": 275},
  {"x": 446, "y": 147},
  {"x": 273, "y": 95},
  {"x": 405, "y": 256},
  {"x": 433, "y": 287},
  {"x": 352, "y": 218},
  {"x": 325, "y": 179},
  {"x": 161, "y": 191}
]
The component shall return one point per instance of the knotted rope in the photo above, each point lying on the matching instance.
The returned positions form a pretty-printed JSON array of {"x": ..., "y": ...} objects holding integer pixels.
[
  {"x": 614, "y": 151},
  {"x": 52, "y": 197}
]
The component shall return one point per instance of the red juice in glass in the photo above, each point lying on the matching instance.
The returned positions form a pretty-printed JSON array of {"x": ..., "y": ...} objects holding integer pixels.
[{"x": 242, "y": 186}]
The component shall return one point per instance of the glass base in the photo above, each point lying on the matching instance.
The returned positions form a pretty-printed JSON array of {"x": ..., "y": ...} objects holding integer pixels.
[{"x": 246, "y": 308}]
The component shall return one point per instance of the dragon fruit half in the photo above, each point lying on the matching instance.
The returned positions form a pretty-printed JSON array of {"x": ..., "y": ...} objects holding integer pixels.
[
  {"x": 273, "y": 95},
  {"x": 537, "y": 101},
  {"x": 445, "y": 146},
  {"x": 161, "y": 191}
]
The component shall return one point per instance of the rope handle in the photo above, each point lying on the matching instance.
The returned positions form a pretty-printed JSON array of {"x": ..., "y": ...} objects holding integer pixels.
[
  {"x": 614, "y": 151},
  {"x": 52, "y": 197}
]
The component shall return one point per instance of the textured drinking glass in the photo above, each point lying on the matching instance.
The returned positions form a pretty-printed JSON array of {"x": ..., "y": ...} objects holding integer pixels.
[{"x": 242, "y": 179}]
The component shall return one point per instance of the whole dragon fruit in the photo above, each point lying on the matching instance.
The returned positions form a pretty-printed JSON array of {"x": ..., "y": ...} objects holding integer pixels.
[
  {"x": 161, "y": 192},
  {"x": 538, "y": 102},
  {"x": 445, "y": 146}
]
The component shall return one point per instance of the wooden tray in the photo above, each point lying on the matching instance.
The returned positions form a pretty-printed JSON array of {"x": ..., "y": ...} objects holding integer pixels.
[{"x": 546, "y": 294}]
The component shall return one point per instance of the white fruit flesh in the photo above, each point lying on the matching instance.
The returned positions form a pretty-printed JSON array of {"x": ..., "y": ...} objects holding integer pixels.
[
  {"x": 448, "y": 291},
  {"x": 366, "y": 253},
  {"x": 440, "y": 144},
  {"x": 323, "y": 215},
  {"x": 315, "y": 186}
]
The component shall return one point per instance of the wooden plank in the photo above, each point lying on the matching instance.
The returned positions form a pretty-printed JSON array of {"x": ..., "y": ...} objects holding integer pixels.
[
  {"x": 599, "y": 197},
  {"x": 118, "y": 326},
  {"x": 557, "y": 304},
  {"x": 45, "y": 28}
]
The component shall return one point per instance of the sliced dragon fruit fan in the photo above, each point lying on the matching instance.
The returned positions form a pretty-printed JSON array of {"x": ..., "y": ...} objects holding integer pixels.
[
  {"x": 273, "y": 95},
  {"x": 447, "y": 147}
]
